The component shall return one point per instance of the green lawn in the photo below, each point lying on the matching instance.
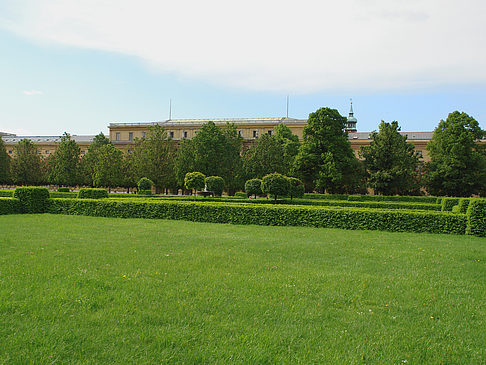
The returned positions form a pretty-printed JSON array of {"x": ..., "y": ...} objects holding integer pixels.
[{"x": 101, "y": 290}]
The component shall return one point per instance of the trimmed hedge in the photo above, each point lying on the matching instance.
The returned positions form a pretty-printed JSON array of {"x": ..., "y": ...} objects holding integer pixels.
[
  {"x": 326, "y": 196},
  {"x": 375, "y": 198},
  {"x": 57, "y": 194},
  {"x": 476, "y": 217},
  {"x": 10, "y": 206},
  {"x": 240, "y": 194},
  {"x": 273, "y": 215},
  {"x": 6, "y": 193},
  {"x": 32, "y": 199},
  {"x": 63, "y": 190},
  {"x": 463, "y": 205},
  {"x": 144, "y": 192},
  {"x": 448, "y": 203},
  {"x": 92, "y": 193}
]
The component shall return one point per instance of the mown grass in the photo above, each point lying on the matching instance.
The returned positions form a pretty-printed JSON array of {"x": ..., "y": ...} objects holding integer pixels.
[{"x": 101, "y": 290}]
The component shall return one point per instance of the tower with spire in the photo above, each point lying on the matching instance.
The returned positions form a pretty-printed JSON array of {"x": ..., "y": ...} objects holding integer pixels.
[{"x": 351, "y": 122}]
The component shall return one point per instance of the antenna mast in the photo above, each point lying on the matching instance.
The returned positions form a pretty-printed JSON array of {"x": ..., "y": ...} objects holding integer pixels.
[
  {"x": 287, "y": 107},
  {"x": 170, "y": 109}
]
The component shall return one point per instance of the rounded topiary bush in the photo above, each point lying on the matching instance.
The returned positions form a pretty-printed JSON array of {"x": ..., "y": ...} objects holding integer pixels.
[
  {"x": 145, "y": 186},
  {"x": 215, "y": 184},
  {"x": 253, "y": 187},
  {"x": 296, "y": 188},
  {"x": 276, "y": 185},
  {"x": 194, "y": 180}
]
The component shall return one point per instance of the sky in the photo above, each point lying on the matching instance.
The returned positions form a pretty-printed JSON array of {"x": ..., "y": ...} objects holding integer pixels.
[{"x": 76, "y": 66}]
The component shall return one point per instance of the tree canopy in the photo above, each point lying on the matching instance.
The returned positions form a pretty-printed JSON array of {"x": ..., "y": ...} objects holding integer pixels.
[
  {"x": 391, "y": 162},
  {"x": 65, "y": 163},
  {"x": 457, "y": 166},
  {"x": 4, "y": 164},
  {"x": 27, "y": 166}
]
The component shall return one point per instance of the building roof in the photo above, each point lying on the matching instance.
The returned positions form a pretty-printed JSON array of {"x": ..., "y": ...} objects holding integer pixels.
[
  {"x": 47, "y": 139},
  {"x": 411, "y": 136},
  {"x": 6, "y": 134},
  {"x": 199, "y": 122}
]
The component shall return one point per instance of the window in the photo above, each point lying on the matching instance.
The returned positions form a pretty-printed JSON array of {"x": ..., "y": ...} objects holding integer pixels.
[
  {"x": 117, "y": 136},
  {"x": 130, "y": 136},
  {"x": 171, "y": 134},
  {"x": 144, "y": 134},
  {"x": 255, "y": 134},
  {"x": 184, "y": 134},
  {"x": 270, "y": 132},
  {"x": 239, "y": 133},
  {"x": 419, "y": 153},
  {"x": 47, "y": 152}
]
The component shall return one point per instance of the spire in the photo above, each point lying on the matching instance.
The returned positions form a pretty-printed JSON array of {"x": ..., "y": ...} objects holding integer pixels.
[
  {"x": 351, "y": 114},
  {"x": 351, "y": 120}
]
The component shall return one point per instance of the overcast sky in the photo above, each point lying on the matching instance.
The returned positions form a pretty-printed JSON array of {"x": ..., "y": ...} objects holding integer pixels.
[{"x": 78, "y": 65}]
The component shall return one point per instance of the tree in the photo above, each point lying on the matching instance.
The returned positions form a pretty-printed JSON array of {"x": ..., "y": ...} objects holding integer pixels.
[
  {"x": 108, "y": 167},
  {"x": 296, "y": 188},
  {"x": 27, "y": 166},
  {"x": 390, "y": 161},
  {"x": 215, "y": 184},
  {"x": 265, "y": 155},
  {"x": 65, "y": 163},
  {"x": 213, "y": 151},
  {"x": 194, "y": 180},
  {"x": 290, "y": 145},
  {"x": 88, "y": 161},
  {"x": 145, "y": 186},
  {"x": 154, "y": 158},
  {"x": 326, "y": 160},
  {"x": 4, "y": 164},
  {"x": 275, "y": 184},
  {"x": 457, "y": 166},
  {"x": 253, "y": 187}
]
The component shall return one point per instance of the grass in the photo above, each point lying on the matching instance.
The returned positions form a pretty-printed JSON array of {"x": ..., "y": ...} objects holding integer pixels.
[{"x": 79, "y": 289}]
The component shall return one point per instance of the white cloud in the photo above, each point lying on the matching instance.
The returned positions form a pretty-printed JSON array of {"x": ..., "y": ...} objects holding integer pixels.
[
  {"x": 33, "y": 92},
  {"x": 285, "y": 46}
]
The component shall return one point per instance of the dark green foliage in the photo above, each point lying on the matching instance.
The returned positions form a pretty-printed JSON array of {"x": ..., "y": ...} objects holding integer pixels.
[
  {"x": 10, "y": 206},
  {"x": 391, "y": 162},
  {"x": 265, "y": 155},
  {"x": 326, "y": 196},
  {"x": 57, "y": 194},
  {"x": 88, "y": 161},
  {"x": 145, "y": 184},
  {"x": 144, "y": 192},
  {"x": 476, "y": 217},
  {"x": 393, "y": 198},
  {"x": 276, "y": 215},
  {"x": 6, "y": 193},
  {"x": 240, "y": 194},
  {"x": 27, "y": 166},
  {"x": 275, "y": 185},
  {"x": 463, "y": 205},
  {"x": 194, "y": 180},
  {"x": 456, "y": 168},
  {"x": 65, "y": 163},
  {"x": 439, "y": 200},
  {"x": 296, "y": 188},
  {"x": 92, "y": 193},
  {"x": 63, "y": 190},
  {"x": 32, "y": 199},
  {"x": 108, "y": 166},
  {"x": 326, "y": 160},
  {"x": 448, "y": 203},
  {"x": 215, "y": 184},
  {"x": 4, "y": 164},
  {"x": 253, "y": 187}
]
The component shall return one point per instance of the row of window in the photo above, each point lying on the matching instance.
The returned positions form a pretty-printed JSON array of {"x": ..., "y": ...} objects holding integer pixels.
[{"x": 185, "y": 134}]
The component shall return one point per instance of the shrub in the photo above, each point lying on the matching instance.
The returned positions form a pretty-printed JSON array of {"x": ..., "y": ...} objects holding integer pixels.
[
  {"x": 463, "y": 204},
  {"x": 32, "y": 199},
  {"x": 455, "y": 209},
  {"x": 438, "y": 200},
  {"x": 296, "y": 188},
  {"x": 56, "y": 194},
  {"x": 10, "y": 206},
  {"x": 253, "y": 187},
  {"x": 476, "y": 217},
  {"x": 276, "y": 185},
  {"x": 240, "y": 194},
  {"x": 215, "y": 184},
  {"x": 63, "y": 190},
  {"x": 6, "y": 193},
  {"x": 264, "y": 214},
  {"x": 143, "y": 192},
  {"x": 448, "y": 203},
  {"x": 194, "y": 180},
  {"x": 90, "y": 193},
  {"x": 145, "y": 184},
  {"x": 326, "y": 196}
]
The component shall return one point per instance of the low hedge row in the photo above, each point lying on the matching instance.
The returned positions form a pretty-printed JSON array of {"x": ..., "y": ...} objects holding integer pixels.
[
  {"x": 10, "y": 206},
  {"x": 375, "y": 198},
  {"x": 448, "y": 203},
  {"x": 89, "y": 193},
  {"x": 6, "y": 193},
  {"x": 274, "y": 215}
]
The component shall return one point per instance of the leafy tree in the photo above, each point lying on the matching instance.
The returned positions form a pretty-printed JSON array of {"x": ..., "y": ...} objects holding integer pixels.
[
  {"x": 390, "y": 161},
  {"x": 265, "y": 155},
  {"x": 88, "y": 161},
  {"x": 275, "y": 184},
  {"x": 194, "y": 180},
  {"x": 145, "y": 184},
  {"x": 154, "y": 158},
  {"x": 290, "y": 144},
  {"x": 457, "y": 166},
  {"x": 326, "y": 160},
  {"x": 213, "y": 151},
  {"x": 296, "y": 188},
  {"x": 65, "y": 163},
  {"x": 27, "y": 167},
  {"x": 253, "y": 187},
  {"x": 4, "y": 164},
  {"x": 108, "y": 167},
  {"x": 215, "y": 184}
]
